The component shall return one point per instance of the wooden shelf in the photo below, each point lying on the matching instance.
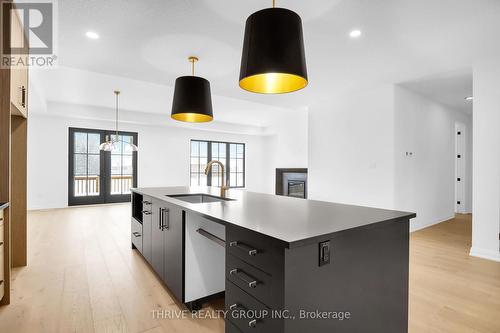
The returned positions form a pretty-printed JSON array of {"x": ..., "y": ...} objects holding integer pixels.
[
  {"x": 15, "y": 111},
  {"x": 13, "y": 161}
]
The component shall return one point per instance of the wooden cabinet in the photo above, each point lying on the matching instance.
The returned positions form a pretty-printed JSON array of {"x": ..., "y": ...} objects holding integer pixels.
[
  {"x": 2, "y": 275},
  {"x": 18, "y": 74},
  {"x": 13, "y": 157}
]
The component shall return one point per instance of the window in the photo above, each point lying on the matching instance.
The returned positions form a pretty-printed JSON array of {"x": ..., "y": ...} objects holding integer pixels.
[
  {"x": 122, "y": 168},
  {"x": 204, "y": 151},
  {"x": 96, "y": 176}
]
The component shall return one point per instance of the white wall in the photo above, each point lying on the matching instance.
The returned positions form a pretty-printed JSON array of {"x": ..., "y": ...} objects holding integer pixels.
[
  {"x": 357, "y": 146},
  {"x": 287, "y": 147},
  {"x": 425, "y": 181},
  {"x": 486, "y": 173},
  {"x": 351, "y": 149},
  {"x": 163, "y": 159}
]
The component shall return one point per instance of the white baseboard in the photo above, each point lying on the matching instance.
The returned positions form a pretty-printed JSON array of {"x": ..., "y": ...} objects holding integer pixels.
[
  {"x": 412, "y": 229},
  {"x": 485, "y": 254}
]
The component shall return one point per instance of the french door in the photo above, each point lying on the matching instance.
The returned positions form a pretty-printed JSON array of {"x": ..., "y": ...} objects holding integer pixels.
[{"x": 96, "y": 176}]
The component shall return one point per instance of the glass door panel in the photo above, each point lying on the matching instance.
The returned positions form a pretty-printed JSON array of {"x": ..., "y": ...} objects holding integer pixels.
[
  {"x": 122, "y": 171},
  {"x": 96, "y": 176},
  {"x": 85, "y": 162}
]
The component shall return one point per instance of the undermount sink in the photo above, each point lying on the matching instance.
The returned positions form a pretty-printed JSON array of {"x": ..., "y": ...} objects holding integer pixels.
[{"x": 199, "y": 198}]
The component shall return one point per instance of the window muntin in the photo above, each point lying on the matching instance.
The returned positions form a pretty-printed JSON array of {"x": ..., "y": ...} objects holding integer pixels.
[{"x": 204, "y": 151}]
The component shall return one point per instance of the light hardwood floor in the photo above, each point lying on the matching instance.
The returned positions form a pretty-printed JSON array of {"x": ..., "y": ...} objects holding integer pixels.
[{"x": 82, "y": 276}]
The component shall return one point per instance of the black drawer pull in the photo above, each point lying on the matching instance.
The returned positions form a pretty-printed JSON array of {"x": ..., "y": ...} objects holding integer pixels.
[
  {"x": 146, "y": 212},
  {"x": 234, "y": 306},
  {"x": 145, "y": 202},
  {"x": 136, "y": 234},
  {"x": 23, "y": 96},
  {"x": 1, "y": 243},
  {"x": 244, "y": 247},
  {"x": 252, "y": 323},
  {"x": 1, "y": 281},
  {"x": 237, "y": 272}
]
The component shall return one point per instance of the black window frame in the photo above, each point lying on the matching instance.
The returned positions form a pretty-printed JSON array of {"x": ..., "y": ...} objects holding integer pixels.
[
  {"x": 104, "y": 196},
  {"x": 227, "y": 166}
]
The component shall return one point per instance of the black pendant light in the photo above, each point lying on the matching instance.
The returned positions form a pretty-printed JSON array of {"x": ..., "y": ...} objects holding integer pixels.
[
  {"x": 273, "y": 59},
  {"x": 192, "y": 101}
]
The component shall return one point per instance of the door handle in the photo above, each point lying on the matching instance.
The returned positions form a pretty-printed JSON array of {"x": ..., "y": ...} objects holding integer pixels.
[
  {"x": 23, "y": 96},
  {"x": 146, "y": 212},
  {"x": 136, "y": 234},
  {"x": 167, "y": 225},
  {"x": 212, "y": 237},
  {"x": 160, "y": 217}
]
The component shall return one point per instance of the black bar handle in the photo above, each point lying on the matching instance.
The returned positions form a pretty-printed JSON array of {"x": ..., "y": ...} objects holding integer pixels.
[
  {"x": 136, "y": 234},
  {"x": 160, "y": 217},
  {"x": 146, "y": 212},
  {"x": 212, "y": 237},
  {"x": 252, "y": 283},
  {"x": 23, "y": 96},
  {"x": 251, "y": 251},
  {"x": 145, "y": 202},
  {"x": 167, "y": 225}
]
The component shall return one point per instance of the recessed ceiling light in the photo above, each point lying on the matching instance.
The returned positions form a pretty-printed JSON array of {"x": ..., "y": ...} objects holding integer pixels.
[
  {"x": 92, "y": 35},
  {"x": 355, "y": 33},
  {"x": 469, "y": 98}
]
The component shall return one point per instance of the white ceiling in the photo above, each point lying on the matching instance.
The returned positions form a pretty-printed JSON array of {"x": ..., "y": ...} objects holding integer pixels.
[
  {"x": 150, "y": 41},
  {"x": 70, "y": 86},
  {"x": 449, "y": 89}
]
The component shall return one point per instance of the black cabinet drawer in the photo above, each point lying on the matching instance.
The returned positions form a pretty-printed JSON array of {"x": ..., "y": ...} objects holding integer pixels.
[
  {"x": 230, "y": 327},
  {"x": 136, "y": 234},
  {"x": 248, "y": 314},
  {"x": 258, "y": 250},
  {"x": 266, "y": 288}
]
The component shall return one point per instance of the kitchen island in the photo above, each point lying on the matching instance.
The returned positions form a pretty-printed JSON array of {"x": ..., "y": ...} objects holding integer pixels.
[{"x": 284, "y": 264}]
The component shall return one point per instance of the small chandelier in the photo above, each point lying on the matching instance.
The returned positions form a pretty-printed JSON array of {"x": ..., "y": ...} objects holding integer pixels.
[{"x": 112, "y": 144}]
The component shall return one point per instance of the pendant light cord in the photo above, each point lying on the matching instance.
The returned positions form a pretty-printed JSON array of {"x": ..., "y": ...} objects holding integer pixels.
[
  {"x": 274, "y": 3},
  {"x": 192, "y": 60},
  {"x": 116, "y": 94}
]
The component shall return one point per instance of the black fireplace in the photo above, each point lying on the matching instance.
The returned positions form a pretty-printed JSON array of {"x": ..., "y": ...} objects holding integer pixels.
[
  {"x": 291, "y": 182},
  {"x": 297, "y": 188}
]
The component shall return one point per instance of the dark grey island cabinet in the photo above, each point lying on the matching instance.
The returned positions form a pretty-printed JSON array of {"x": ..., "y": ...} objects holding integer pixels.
[
  {"x": 161, "y": 228},
  {"x": 289, "y": 265}
]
